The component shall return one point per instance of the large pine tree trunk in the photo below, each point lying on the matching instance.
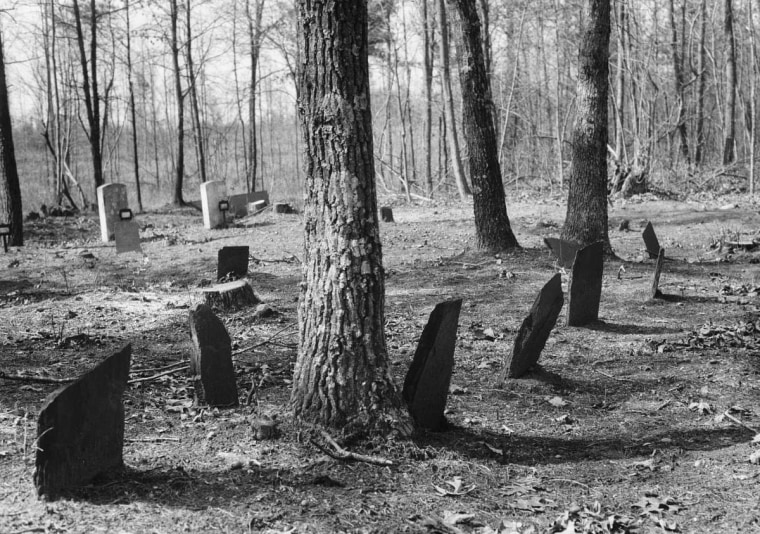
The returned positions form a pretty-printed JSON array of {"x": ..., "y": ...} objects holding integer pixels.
[
  {"x": 10, "y": 192},
  {"x": 586, "y": 220},
  {"x": 491, "y": 221},
  {"x": 342, "y": 378}
]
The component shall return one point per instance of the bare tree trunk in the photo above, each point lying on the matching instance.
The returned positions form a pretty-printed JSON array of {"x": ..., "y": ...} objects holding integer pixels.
[
  {"x": 586, "y": 220},
  {"x": 702, "y": 83},
  {"x": 729, "y": 126},
  {"x": 180, "y": 97},
  {"x": 195, "y": 110},
  {"x": 448, "y": 106},
  {"x": 753, "y": 97},
  {"x": 492, "y": 225},
  {"x": 133, "y": 113},
  {"x": 254, "y": 35},
  {"x": 679, "y": 78},
  {"x": 10, "y": 190},
  {"x": 620, "y": 84},
  {"x": 342, "y": 377},
  {"x": 90, "y": 88},
  {"x": 427, "y": 68}
]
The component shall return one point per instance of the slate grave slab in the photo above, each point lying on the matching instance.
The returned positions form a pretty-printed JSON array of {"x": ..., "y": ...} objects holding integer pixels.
[
  {"x": 80, "y": 430},
  {"x": 127, "y": 236},
  {"x": 563, "y": 250},
  {"x": 211, "y": 359},
  {"x": 535, "y": 329},
  {"x": 256, "y": 196},
  {"x": 657, "y": 272},
  {"x": 238, "y": 205},
  {"x": 426, "y": 386},
  {"x": 112, "y": 198},
  {"x": 257, "y": 206},
  {"x": 232, "y": 262},
  {"x": 386, "y": 214},
  {"x": 651, "y": 242},
  {"x": 586, "y": 285},
  {"x": 211, "y": 193}
]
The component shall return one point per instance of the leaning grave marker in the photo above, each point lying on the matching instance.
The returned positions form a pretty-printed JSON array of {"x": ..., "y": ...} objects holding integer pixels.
[
  {"x": 426, "y": 386},
  {"x": 80, "y": 430},
  {"x": 112, "y": 198},
  {"x": 563, "y": 250},
  {"x": 535, "y": 329},
  {"x": 212, "y": 193},
  {"x": 211, "y": 359},
  {"x": 586, "y": 285},
  {"x": 651, "y": 242}
]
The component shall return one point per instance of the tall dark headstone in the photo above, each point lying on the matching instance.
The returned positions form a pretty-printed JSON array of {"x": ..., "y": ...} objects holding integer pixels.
[
  {"x": 657, "y": 272},
  {"x": 651, "y": 242},
  {"x": 386, "y": 214},
  {"x": 586, "y": 285},
  {"x": 535, "y": 329},
  {"x": 80, "y": 430},
  {"x": 211, "y": 359},
  {"x": 232, "y": 262},
  {"x": 426, "y": 386},
  {"x": 563, "y": 250}
]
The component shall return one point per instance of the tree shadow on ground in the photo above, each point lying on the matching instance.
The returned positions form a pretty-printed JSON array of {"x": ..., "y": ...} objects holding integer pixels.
[
  {"x": 541, "y": 450},
  {"x": 628, "y": 329}
]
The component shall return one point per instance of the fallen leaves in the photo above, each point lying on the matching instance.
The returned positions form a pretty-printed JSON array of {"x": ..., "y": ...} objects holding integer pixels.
[
  {"x": 558, "y": 402},
  {"x": 702, "y": 407},
  {"x": 457, "y": 488}
]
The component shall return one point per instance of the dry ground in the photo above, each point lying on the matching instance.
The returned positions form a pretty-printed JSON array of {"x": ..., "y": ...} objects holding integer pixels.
[{"x": 622, "y": 429}]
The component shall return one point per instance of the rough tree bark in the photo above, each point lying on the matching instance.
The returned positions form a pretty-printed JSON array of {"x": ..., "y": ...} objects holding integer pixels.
[
  {"x": 132, "y": 111},
  {"x": 729, "y": 127},
  {"x": 491, "y": 221},
  {"x": 179, "y": 168},
  {"x": 679, "y": 77},
  {"x": 701, "y": 86},
  {"x": 427, "y": 69},
  {"x": 10, "y": 191},
  {"x": 586, "y": 220},
  {"x": 342, "y": 378}
]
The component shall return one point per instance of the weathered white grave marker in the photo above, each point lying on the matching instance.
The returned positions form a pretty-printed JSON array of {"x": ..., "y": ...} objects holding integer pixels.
[
  {"x": 212, "y": 193},
  {"x": 112, "y": 198}
]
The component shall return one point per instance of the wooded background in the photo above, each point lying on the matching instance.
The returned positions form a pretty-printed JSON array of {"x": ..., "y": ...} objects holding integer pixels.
[{"x": 84, "y": 87}]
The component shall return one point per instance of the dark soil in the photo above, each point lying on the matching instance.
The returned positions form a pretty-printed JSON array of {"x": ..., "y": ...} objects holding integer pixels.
[{"x": 641, "y": 422}]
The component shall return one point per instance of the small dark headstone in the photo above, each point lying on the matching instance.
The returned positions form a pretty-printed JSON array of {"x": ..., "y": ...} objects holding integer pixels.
[
  {"x": 586, "y": 285},
  {"x": 386, "y": 214},
  {"x": 651, "y": 242},
  {"x": 426, "y": 386},
  {"x": 535, "y": 329},
  {"x": 563, "y": 250},
  {"x": 657, "y": 271},
  {"x": 80, "y": 431},
  {"x": 211, "y": 359},
  {"x": 232, "y": 262},
  {"x": 127, "y": 236},
  {"x": 283, "y": 208},
  {"x": 238, "y": 205}
]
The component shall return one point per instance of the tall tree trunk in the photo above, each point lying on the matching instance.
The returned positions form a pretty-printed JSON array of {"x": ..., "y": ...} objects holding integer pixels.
[
  {"x": 752, "y": 97},
  {"x": 586, "y": 220},
  {"x": 254, "y": 35},
  {"x": 132, "y": 112},
  {"x": 679, "y": 77},
  {"x": 701, "y": 86},
  {"x": 193, "y": 90},
  {"x": 620, "y": 84},
  {"x": 729, "y": 126},
  {"x": 10, "y": 191},
  {"x": 427, "y": 69},
  {"x": 448, "y": 106},
  {"x": 491, "y": 221},
  {"x": 342, "y": 376},
  {"x": 90, "y": 88},
  {"x": 179, "y": 167}
]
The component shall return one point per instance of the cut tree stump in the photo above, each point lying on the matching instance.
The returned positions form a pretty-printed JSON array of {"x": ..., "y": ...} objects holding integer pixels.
[{"x": 232, "y": 295}]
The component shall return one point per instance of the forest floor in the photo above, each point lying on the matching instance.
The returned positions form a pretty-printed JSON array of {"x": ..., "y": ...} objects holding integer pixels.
[{"x": 645, "y": 421}]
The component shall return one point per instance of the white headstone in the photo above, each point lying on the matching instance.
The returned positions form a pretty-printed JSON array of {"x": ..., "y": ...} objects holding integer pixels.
[
  {"x": 211, "y": 193},
  {"x": 111, "y": 199}
]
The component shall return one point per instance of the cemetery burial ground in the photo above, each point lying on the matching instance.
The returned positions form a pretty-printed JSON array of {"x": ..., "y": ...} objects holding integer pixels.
[{"x": 641, "y": 422}]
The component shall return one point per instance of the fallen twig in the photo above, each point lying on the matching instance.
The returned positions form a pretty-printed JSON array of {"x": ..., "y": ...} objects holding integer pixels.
[
  {"x": 268, "y": 340},
  {"x": 738, "y": 422},
  {"x": 159, "y": 375},
  {"x": 339, "y": 453},
  {"x": 612, "y": 377},
  {"x": 37, "y": 379},
  {"x": 159, "y": 369},
  {"x": 151, "y": 439}
]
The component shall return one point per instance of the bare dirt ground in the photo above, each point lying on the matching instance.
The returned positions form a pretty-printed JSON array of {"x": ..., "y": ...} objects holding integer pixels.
[{"x": 643, "y": 422}]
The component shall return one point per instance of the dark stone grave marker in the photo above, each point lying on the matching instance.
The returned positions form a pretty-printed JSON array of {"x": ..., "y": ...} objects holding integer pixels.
[
  {"x": 386, "y": 214},
  {"x": 651, "y": 242},
  {"x": 586, "y": 285},
  {"x": 657, "y": 272},
  {"x": 127, "y": 236},
  {"x": 238, "y": 205},
  {"x": 232, "y": 262},
  {"x": 211, "y": 359},
  {"x": 563, "y": 250},
  {"x": 426, "y": 386},
  {"x": 80, "y": 430},
  {"x": 535, "y": 329}
]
